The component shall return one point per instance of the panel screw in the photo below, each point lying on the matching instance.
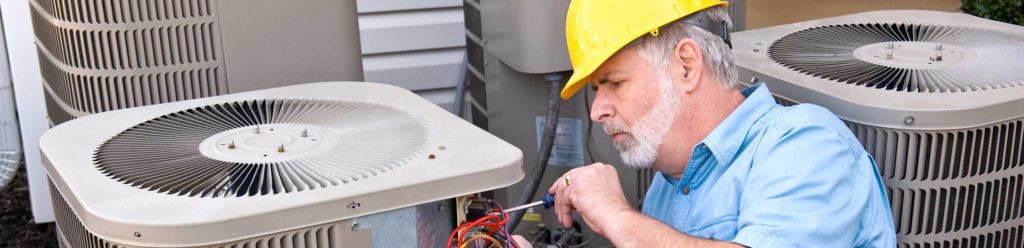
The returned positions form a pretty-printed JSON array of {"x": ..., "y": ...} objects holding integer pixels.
[
  {"x": 888, "y": 55},
  {"x": 280, "y": 147},
  {"x": 440, "y": 207},
  {"x": 354, "y": 205},
  {"x": 486, "y": 63},
  {"x": 138, "y": 234},
  {"x": 257, "y": 130},
  {"x": 938, "y": 47},
  {"x": 909, "y": 120},
  {"x": 753, "y": 80},
  {"x": 355, "y": 226},
  {"x": 231, "y": 145},
  {"x": 304, "y": 133}
]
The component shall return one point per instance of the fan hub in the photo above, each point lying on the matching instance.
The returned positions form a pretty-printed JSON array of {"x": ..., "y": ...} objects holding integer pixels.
[
  {"x": 915, "y": 55},
  {"x": 271, "y": 143}
]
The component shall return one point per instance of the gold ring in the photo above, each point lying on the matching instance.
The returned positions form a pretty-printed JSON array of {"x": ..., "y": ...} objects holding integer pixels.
[{"x": 568, "y": 180}]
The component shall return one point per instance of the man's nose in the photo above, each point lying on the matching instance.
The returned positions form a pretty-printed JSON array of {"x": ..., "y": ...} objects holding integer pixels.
[{"x": 601, "y": 109}]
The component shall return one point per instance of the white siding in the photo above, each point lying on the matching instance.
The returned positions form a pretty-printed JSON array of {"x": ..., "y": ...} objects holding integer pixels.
[
  {"x": 28, "y": 95},
  {"x": 415, "y": 44}
]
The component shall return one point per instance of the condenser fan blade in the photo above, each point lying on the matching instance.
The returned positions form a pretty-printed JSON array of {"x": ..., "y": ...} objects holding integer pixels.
[
  {"x": 905, "y": 57},
  {"x": 262, "y": 147}
]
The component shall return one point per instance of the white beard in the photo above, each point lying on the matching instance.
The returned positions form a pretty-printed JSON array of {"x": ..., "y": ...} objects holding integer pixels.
[{"x": 640, "y": 148}]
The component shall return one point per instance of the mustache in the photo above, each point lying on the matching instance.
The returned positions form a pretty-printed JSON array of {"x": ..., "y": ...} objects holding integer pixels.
[{"x": 614, "y": 126}]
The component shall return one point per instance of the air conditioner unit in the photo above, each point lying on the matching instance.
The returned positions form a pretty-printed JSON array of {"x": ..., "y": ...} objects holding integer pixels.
[
  {"x": 294, "y": 166},
  {"x": 10, "y": 138},
  {"x": 936, "y": 97},
  {"x": 101, "y": 55}
]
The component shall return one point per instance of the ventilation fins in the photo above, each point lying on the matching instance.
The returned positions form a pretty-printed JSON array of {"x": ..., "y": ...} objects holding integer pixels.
[
  {"x": 163, "y": 154},
  {"x": 829, "y": 52}
]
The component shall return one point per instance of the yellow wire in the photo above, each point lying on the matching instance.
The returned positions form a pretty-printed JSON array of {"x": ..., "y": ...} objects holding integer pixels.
[{"x": 485, "y": 237}]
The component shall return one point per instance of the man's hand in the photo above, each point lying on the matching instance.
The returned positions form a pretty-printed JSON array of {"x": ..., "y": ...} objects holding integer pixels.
[
  {"x": 521, "y": 242},
  {"x": 593, "y": 191}
]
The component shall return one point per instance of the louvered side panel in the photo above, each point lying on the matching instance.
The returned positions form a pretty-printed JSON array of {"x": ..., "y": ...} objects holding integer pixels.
[
  {"x": 952, "y": 188},
  {"x": 102, "y": 55},
  {"x": 124, "y": 11},
  {"x": 72, "y": 233},
  {"x": 324, "y": 236}
]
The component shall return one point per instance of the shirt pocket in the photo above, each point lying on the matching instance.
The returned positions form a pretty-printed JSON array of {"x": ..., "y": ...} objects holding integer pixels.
[{"x": 718, "y": 228}]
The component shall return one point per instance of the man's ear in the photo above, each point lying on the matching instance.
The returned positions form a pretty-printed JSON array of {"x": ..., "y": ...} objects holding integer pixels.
[{"x": 687, "y": 56}]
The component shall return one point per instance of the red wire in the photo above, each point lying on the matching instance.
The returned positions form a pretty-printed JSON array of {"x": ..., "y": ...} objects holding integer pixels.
[
  {"x": 458, "y": 230},
  {"x": 495, "y": 226},
  {"x": 477, "y": 222}
]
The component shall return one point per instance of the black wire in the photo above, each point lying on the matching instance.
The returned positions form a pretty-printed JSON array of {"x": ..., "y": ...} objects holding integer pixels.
[
  {"x": 586, "y": 241},
  {"x": 547, "y": 142}
]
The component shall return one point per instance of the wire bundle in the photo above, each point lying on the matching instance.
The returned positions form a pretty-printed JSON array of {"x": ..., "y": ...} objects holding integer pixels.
[{"x": 483, "y": 230}]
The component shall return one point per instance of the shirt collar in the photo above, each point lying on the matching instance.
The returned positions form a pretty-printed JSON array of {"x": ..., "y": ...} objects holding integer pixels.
[{"x": 725, "y": 140}]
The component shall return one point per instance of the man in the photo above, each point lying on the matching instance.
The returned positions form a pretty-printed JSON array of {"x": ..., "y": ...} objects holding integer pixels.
[{"x": 734, "y": 168}]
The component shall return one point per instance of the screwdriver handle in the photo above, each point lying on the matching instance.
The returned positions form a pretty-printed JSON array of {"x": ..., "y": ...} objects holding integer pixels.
[{"x": 549, "y": 201}]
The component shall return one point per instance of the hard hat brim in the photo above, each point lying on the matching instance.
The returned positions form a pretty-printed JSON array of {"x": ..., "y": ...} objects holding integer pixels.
[{"x": 581, "y": 76}]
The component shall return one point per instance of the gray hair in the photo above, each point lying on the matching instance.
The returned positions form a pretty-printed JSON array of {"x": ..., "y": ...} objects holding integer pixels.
[{"x": 718, "y": 57}]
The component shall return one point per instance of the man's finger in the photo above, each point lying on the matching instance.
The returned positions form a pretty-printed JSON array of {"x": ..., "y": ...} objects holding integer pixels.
[
  {"x": 559, "y": 209},
  {"x": 564, "y": 206},
  {"x": 554, "y": 187},
  {"x": 556, "y": 190},
  {"x": 565, "y": 215}
]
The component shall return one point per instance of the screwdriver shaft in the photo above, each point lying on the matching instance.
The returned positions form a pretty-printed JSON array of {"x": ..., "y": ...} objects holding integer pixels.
[{"x": 528, "y": 205}]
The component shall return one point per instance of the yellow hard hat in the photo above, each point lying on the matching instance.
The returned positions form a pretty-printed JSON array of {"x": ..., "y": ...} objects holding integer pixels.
[{"x": 597, "y": 29}]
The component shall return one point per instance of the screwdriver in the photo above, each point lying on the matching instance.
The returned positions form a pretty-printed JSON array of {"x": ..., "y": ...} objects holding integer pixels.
[{"x": 548, "y": 201}]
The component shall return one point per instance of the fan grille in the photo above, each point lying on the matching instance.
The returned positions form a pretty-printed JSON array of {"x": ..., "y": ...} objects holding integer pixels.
[
  {"x": 905, "y": 57},
  {"x": 359, "y": 140}
]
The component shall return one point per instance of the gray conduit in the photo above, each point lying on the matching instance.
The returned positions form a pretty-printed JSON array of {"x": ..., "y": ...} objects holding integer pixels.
[{"x": 547, "y": 142}]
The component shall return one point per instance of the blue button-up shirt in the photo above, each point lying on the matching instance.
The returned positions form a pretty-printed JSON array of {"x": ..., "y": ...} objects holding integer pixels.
[{"x": 774, "y": 176}]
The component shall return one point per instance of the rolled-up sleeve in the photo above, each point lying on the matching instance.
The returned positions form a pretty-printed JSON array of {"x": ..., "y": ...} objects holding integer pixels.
[{"x": 801, "y": 191}]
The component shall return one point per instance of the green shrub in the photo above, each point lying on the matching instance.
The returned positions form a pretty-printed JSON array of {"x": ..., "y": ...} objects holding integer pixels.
[{"x": 1008, "y": 11}]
